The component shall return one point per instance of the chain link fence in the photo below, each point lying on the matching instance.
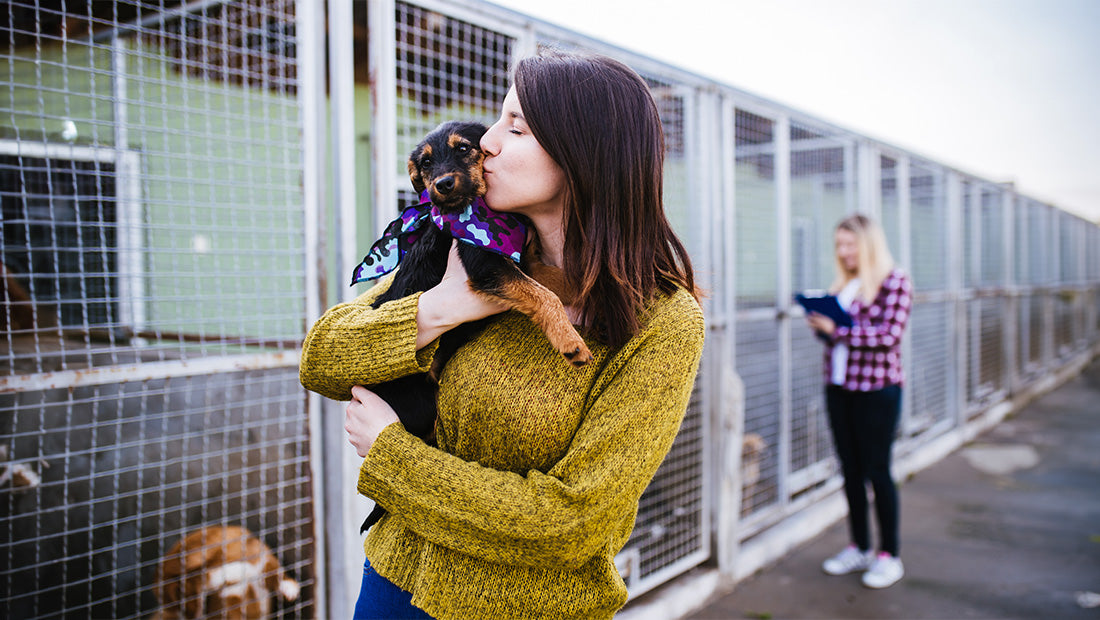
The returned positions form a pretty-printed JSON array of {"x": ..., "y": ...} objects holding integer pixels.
[{"x": 153, "y": 299}]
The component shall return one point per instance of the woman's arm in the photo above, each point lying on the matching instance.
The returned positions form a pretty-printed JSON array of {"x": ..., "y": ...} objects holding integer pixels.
[
  {"x": 355, "y": 344},
  {"x": 588, "y": 499},
  {"x": 894, "y": 304}
]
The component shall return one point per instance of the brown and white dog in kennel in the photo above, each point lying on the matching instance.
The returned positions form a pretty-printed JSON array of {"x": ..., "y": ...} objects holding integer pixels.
[{"x": 220, "y": 572}]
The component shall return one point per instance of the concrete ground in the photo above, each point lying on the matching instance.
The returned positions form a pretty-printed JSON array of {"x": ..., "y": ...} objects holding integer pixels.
[{"x": 1006, "y": 527}]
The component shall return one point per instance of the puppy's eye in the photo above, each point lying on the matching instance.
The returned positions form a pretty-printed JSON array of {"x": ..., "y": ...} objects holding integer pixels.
[
  {"x": 426, "y": 162},
  {"x": 463, "y": 148}
]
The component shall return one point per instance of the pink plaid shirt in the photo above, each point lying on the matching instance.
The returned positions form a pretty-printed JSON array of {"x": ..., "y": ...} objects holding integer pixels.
[{"x": 874, "y": 339}]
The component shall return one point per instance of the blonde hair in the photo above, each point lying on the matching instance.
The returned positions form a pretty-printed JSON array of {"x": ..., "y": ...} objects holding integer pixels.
[{"x": 875, "y": 261}]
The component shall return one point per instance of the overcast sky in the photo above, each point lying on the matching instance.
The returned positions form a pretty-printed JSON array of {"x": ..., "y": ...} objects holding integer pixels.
[{"x": 1008, "y": 90}]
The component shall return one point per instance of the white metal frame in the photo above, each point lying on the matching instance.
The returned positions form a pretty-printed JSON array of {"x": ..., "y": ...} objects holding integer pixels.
[{"x": 327, "y": 479}]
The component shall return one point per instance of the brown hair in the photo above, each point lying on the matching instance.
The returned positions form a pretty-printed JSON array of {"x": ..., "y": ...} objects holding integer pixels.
[{"x": 596, "y": 119}]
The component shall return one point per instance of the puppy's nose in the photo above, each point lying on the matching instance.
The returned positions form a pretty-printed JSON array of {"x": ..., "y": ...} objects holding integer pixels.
[{"x": 445, "y": 185}]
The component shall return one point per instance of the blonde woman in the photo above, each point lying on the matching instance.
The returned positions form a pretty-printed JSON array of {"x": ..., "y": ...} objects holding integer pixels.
[{"x": 864, "y": 378}]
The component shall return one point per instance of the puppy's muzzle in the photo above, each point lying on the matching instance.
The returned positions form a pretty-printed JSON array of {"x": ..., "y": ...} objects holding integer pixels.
[
  {"x": 445, "y": 185},
  {"x": 451, "y": 191}
]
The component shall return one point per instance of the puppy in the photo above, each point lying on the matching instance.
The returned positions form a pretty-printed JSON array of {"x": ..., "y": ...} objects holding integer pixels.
[
  {"x": 447, "y": 167},
  {"x": 220, "y": 572}
]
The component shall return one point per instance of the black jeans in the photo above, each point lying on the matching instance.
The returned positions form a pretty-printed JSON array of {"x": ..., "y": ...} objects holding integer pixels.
[{"x": 863, "y": 425}]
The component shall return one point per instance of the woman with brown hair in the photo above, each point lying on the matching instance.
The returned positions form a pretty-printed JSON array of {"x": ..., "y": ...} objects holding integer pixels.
[
  {"x": 863, "y": 379},
  {"x": 535, "y": 482}
]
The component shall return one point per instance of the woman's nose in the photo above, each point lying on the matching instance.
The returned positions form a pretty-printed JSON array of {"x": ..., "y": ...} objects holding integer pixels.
[{"x": 488, "y": 144}]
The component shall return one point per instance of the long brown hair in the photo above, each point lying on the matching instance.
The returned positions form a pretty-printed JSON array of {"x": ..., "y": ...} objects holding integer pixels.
[{"x": 596, "y": 119}]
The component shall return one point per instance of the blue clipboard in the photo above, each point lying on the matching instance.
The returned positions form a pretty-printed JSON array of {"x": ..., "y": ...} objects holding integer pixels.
[{"x": 826, "y": 305}]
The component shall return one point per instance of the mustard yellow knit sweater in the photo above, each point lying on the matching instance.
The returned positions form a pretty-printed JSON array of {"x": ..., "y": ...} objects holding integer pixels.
[{"x": 534, "y": 486}]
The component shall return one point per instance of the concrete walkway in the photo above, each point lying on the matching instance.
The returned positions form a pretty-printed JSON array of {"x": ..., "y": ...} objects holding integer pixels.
[{"x": 1006, "y": 527}]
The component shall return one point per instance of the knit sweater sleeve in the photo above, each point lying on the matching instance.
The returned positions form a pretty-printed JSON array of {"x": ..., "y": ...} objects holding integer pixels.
[
  {"x": 577, "y": 508},
  {"x": 355, "y": 344}
]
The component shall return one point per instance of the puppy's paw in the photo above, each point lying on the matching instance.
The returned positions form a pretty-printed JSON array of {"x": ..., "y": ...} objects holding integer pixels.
[{"x": 577, "y": 355}]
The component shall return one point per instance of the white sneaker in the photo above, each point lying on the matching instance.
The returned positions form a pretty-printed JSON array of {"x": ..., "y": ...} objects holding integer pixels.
[
  {"x": 885, "y": 571},
  {"x": 847, "y": 561}
]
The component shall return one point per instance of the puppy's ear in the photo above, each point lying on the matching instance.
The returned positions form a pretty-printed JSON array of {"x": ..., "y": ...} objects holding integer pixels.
[
  {"x": 168, "y": 590},
  {"x": 194, "y": 595},
  {"x": 420, "y": 153},
  {"x": 417, "y": 179},
  {"x": 169, "y": 577}
]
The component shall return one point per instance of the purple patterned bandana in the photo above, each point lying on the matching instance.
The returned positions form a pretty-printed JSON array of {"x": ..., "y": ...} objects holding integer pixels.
[{"x": 477, "y": 225}]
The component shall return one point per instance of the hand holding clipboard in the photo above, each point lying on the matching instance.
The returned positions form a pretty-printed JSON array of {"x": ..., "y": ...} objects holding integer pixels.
[{"x": 826, "y": 305}]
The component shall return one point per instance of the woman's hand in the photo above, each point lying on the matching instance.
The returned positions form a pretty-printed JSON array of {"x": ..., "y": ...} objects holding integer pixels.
[
  {"x": 821, "y": 323},
  {"x": 451, "y": 303},
  {"x": 367, "y": 415}
]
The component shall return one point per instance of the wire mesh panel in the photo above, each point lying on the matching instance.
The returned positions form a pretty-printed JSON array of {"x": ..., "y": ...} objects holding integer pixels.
[
  {"x": 991, "y": 351},
  {"x": 1021, "y": 265},
  {"x": 1065, "y": 310},
  {"x": 671, "y": 532},
  {"x": 1024, "y": 362},
  {"x": 1091, "y": 313},
  {"x": 1068, "y": 333},
  {"x": 1092, "y": 310},
  {"x": 929, "y": 375},
  {"x": 985, "y": 354},
  {"x": 758, "y": 364},
  {"x": 1037, "y": 331},
  {"x": 756, "y": 224},
  {"x": 928, "y": 221},
  {"x": 894, "y": 225},
  {"x": 124, "y": 471},
  {"x": 153, "y": 298},
  {"x": 822, "y": 192},
  {"x": 1069, "y": 250},
  {"x": 992, "y": 272},
  {"x": 668, "y": 526},
  {"x": 1042, "y": 271},
  {"x": 682, "y": 212},
  {"x": 971, "y": 233},
  {"x": 447, "y": 69},
  {"x": 811, "y": 444},
  {"x": 982, "y": 258},
  {"x": 1092, "y": 256}
]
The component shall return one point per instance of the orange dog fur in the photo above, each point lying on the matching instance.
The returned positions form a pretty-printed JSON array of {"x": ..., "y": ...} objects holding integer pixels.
[{"x": 220, "y": 572}]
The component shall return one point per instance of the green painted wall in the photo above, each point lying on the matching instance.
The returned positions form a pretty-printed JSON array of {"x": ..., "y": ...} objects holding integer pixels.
[{"x": 220, "y": 182}]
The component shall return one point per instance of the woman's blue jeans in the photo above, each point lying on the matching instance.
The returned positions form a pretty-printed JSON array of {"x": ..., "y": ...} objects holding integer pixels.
[{"x": 379, "y": 599}]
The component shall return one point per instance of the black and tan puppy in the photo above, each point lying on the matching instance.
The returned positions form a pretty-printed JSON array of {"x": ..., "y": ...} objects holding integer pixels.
[{"x": 447, "y": 164}]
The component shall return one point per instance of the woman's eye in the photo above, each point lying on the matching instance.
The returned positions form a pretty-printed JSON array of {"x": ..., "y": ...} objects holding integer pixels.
[{"x": 515, "y": 132}]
